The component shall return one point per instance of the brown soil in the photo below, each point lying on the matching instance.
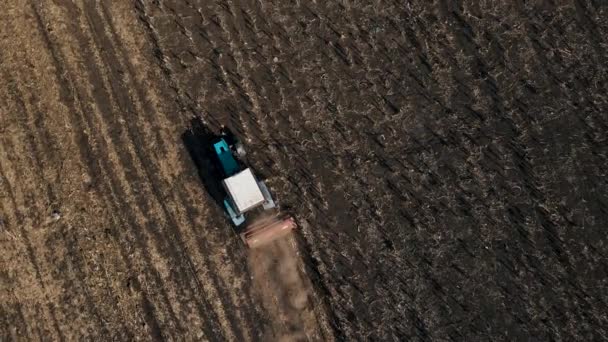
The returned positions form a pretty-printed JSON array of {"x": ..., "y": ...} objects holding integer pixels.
[
  {"x": 287, "y": 294},
  {"x": 446, "y": 161}
]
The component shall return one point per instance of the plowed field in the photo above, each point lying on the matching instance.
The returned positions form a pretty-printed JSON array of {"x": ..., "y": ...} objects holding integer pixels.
[{"x": 446, "y": 163}]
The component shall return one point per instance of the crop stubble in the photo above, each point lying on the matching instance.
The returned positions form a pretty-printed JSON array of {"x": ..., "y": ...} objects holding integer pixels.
[{"x": 446, "y": 162}]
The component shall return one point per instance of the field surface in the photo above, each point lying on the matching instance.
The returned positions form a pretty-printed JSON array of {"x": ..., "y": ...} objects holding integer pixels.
[{"x": 446, "y": 161}]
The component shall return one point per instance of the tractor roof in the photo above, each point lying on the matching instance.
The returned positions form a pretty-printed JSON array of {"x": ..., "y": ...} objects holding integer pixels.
[{"x": 244, "y": 190}]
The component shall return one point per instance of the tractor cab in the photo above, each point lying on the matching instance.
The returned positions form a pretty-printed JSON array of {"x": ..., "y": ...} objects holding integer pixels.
[
  {"x": 232, "y": 183},
  {"x": 244, "y": 191}
]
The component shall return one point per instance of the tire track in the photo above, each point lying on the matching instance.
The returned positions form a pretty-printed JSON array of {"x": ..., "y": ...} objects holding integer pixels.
[
  {"x": 165, "y": 210},
  {"x": 56, "y": 63},
  {"x": 20, "y": 217},
  {"x": 71, "y": 247},
  {"x": 125, "y": 159},
  {"x": 88, "y": 155},
  {"x": 20, "y": 222},
  {"x": 39, "y": 171},
  {"x": 18, "y": 321}
]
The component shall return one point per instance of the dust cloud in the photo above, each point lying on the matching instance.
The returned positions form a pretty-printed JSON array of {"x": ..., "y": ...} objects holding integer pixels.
[{"x": 286, "y": 292}]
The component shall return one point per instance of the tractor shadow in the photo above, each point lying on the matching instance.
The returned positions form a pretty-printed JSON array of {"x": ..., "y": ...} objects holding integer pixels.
[{"x": 198, "y": 140}]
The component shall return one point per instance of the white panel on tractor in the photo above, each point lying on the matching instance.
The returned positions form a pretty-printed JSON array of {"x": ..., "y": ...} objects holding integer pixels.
[{"x": 244, "y": 190}]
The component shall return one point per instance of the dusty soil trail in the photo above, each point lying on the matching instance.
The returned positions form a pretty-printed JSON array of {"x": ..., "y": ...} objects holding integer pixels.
[
  {"x": 287, "y": 294},
  {"x": 449, "y": 159}
]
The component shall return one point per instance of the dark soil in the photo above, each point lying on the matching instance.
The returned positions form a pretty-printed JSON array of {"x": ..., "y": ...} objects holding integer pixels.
[{"x": 446, "y": 162}]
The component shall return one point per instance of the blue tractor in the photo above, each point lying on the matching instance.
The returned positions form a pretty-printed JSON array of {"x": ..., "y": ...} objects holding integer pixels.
[{"x": 248, "y": 201}]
